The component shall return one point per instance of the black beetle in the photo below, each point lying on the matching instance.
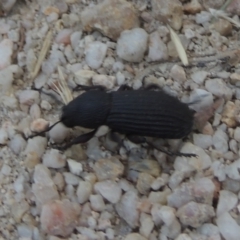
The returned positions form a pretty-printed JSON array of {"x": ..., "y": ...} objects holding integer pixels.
[{"x": 135, "y": 113}]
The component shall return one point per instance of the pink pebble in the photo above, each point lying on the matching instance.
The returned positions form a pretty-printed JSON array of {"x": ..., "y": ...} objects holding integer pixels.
[{"x": 64, "y": 36}]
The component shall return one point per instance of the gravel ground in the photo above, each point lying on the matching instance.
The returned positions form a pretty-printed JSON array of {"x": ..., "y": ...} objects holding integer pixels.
[{"x": 100, "y": 190}]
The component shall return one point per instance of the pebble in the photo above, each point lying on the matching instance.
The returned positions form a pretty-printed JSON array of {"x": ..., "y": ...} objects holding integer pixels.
[
  {"x": 223, "y": 26},
  {"x": 6, "y": 170},
  {"x": 28, "y": 97},
  {"x": 36, "y": 145},
  {"x": 229, "y": 114},
  {"x": 146, "y": 225},
  {"x": 160, "y": 181},
  {"x": 103, "y": 80},
  {"x": 199, "y": 77},
  {"x": 202, "y": 190},
  {"x": 220, "y": 141},
  {"x": 187, "y": 165},
  {"x": 178, "y": 74},
  {"x": 6, "y": 51},
  {"x": 31, "y": 60},
  {"x": 128, "y": 51},
  {"x": 127, "y": 208},
  {"x": 54, "y": 159},
  {"x": 163, "y": 9},
  {"x": 209, "y": 230},
  {"x": 110, "y": 17},
  {"x": 95, "y": 53},
  {"x": 39, "y": 125},
  {"x": 97, "y": 203},
  {"x": 110, "y": 190},
  {"x": 232, "y": 170},
  {"x": 59, "y": 133},
  {"x": 151, "y": 167},
  {"x": 183, "y": 236},
  {"x": 44, "y": 188},
  {"x": 59, "y": 218},
  {"x": 228, "y": 227},
  {"x": 157, "y": 48},
  {"x": 193, "y": 7},
  {"x": 219, "y": 170},
  {"x": 202, "y": 141},
  {"x": 6, "y": 80},
  {"x": 84, "y": 191},
  {"x": 83, "y": 77},
  {"x": 203, "y": 17},
  {"x": 218, "y": 87},
  {"x": 75, "y": 38},
  {"x": 134, "y": 236},
  {"x": 35, "y": 111},
  {"x": 110, "y": 169},
  {"x": 144, "y": 183},
  {"x": 75, "y": 167},
  {"x": 159, "y": 196},
  {"x": 71, "y": 178},
  {"x": 64, "y": 36},
  {"x": 227, "y": 201},
  {"x": 195, "y": 214},
  {"x": 17, "y": 144},
  {"x": 237, "y": 134}
]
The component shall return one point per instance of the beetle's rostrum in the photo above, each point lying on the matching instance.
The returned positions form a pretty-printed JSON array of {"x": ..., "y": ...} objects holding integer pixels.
[{"x": 135, "y": 113}]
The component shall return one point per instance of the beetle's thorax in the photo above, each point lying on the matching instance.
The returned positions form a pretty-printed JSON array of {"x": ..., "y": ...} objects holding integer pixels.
[{"x": 89, "y": 110}]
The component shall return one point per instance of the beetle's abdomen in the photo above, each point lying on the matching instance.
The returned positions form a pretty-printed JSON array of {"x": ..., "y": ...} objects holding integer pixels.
[{"x": 149, "y": 113}]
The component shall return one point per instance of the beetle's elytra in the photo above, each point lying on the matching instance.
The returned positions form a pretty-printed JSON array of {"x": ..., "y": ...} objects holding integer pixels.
[{"x": 132, "y": 112}]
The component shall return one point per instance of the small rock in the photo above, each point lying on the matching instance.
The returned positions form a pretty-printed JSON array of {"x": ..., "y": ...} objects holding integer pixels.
[
  {"x": 178, "y": 74},
  {"x": 235, "y": 79},
  {"x": 232, "y": 170},
  {"x": 195, "y": 214},
  {"x": 59, "y": 218},
  {"x": 127, "y": 208},
  {"x": 151, "y": 167},
  {"x": 209, "y": 230},
  {"x": 218, "y": 87},
  {"x": 203, "y": 17},
  {"x": 31, "y": 60},
  {"x": 17, "y": 144},
  {"x": 227, "y": 201},
  {"x": 103, "y": 80},
  {"x": 64, "y": 36},
  {"x": 44, "y": 188},
  {"x": 160, "y": 196},
  {"x": 223, "y": 26},
  {"x": 110, "y": 190},
  {"x": 229, "y": 114},
  {"x": 183, "y": 236},
  {"x": 58, "y": 180},
  {"x": 71, "y": 179},
  {"x": 228, "y": 227},
  {"x": 84, "y": 191},
  {"x": 134, "y": 236},
  {"x": 193, "y": 7},
  {"x": 129, "y": 51},
  {"x": 202, "y": 141},
  {"x": 202, "y": 190},
  {"x": 157, "y": 48},
  {"x": 18, "y": 209},
  {"x": 144, "y": 183},
  {"x": 160, "y": 181},
  {"x": 110, "y": 17},
  {"x": 83, "y": 77},
  {"x": 39, "y": 125},
  {"x": 6, "y": 170},
  {"x": 75, "y": 167},
  {"x": 53, "y": 159},
  {"x": 108, "y": 169},
  {"x": 28, "y": 97},
  {"x": 97, "y": 203},
  {"x": 199, "y": 77},
  {"x": 6, "y": 50},
  {"x": 95, "y": 53},
  {"x": 164, "y": 9},
  {"x": 219, "y": 170},
  {"x": 59, "y": 133},
  {"x": 146, "y": 225},
  {"x": 220, "y": 141},
  {"x": 201, "y": 162}
]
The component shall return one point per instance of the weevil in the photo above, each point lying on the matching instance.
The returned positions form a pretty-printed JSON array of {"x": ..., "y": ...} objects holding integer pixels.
[{"x": 135, "y": 113}]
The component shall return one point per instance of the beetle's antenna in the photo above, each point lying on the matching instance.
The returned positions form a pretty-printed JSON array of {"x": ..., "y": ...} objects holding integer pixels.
[{"x": 46, "y": 130}]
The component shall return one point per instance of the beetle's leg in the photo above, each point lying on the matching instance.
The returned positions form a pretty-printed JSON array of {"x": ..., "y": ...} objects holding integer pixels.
[
  {"x": 170, "y": 153},
  {"x": 80, "y": 139},
  {"x": 139, "y": 140},
  {"x": 89, "y": 88},
  {"x": 136, "y": 139},
  {"x": 124, "y": 87},
  {"x": 152, "y": 86}
]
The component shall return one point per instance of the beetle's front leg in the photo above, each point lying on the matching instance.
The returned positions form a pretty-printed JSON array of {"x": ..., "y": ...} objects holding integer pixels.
[
  {"x": 80, "y": 139},
  {"x": 89, "y": 88},
  {"x": 139, "y": 140}
]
